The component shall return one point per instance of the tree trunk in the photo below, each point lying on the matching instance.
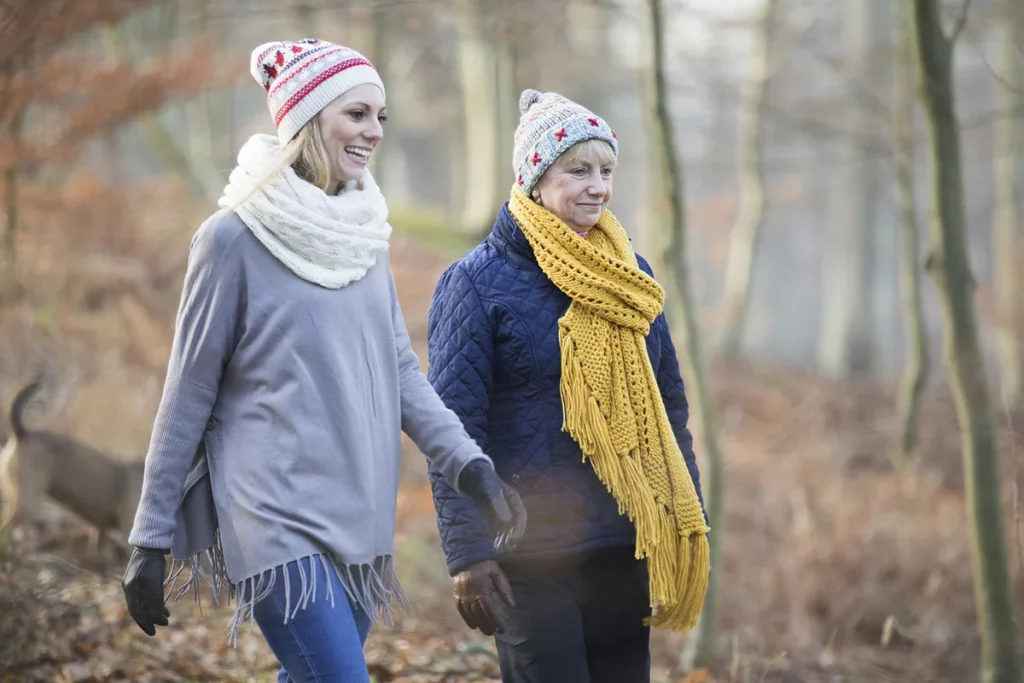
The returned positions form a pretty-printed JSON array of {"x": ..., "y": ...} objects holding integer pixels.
[
  {"x": 949, "y": 265},
  {"x": 746, "y": 230},
  {"x": 506, "y": 106},
  {"x": 480, "y": 119},
  {"x": 916, "y": 365},
  {"x": 1008, "y": 150},
  {"x": 389, "y": 157},
  {"x": 11, "y": 205},
  {"x": 847, "y": 343},
  {"x": 523, "y": 44},
  {"x": 203, "y": 178},
  {"x": 114, "y": 158},
  {"x": 305, "y": 15},
  {"x": 197, "y": 110},
  {"x": 686, "y": 329},
  {"x": 10, "y": 215}
]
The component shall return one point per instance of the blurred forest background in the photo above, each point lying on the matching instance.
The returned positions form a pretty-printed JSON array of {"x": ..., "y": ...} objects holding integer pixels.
[{"x": 797, "y": 247}]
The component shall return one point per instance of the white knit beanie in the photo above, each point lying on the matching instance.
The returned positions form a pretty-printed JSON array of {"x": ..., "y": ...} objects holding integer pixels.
[
  {"x": 303, "y": 77},
  {"x": 549, "y": 125}
]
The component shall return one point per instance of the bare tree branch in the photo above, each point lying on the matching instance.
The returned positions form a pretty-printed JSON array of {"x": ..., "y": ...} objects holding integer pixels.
[
  {"x": 961, "y": 21},
  {"x": 873, "y": 101},
  {"x": 782, "y": 50}
]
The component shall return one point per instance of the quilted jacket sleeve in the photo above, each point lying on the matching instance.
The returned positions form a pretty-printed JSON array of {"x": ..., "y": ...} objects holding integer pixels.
[
  {"x": 460, "y": 354},
  {"x": 432, "y": 426},
  {"x": 673, "y": 394}
]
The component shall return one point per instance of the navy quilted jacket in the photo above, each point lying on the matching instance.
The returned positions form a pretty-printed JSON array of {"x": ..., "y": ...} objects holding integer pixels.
[{"x": 494, "y": 359}]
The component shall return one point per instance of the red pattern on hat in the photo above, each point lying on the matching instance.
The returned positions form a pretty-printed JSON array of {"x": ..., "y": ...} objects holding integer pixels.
[
  {"x": 315, "y": 81},
  {"x": 322, "y": 71}
]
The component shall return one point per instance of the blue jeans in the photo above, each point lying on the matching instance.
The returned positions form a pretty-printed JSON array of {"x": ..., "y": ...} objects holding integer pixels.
[{"x": 320, "y": 642}]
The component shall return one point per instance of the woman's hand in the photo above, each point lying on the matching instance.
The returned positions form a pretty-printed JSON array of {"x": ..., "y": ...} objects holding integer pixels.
[
  {"x": 499, "y": 501},
  {"x": 479, "y": 591},
  {"x": 143, "y": 586}
]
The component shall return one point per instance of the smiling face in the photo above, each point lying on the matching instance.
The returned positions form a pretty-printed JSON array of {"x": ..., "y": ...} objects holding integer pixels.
[
  {"x": 578, "y": 186},
  {"x": 351, "y": 127}
]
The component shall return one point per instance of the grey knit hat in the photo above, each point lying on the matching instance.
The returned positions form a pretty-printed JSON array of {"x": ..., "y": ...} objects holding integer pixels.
[{"x": 549, "y": 124}]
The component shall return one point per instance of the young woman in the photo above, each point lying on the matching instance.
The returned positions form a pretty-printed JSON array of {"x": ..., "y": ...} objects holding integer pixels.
[
  {"x": 273, "y": 464},
  {"x": 549, "y": 341}
]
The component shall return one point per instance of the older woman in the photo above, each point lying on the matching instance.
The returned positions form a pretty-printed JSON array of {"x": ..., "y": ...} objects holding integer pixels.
[{"x": 549, "y": 342}]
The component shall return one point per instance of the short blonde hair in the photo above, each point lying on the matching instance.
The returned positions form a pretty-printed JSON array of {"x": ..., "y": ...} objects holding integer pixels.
[{"x": 587, "y": 148}]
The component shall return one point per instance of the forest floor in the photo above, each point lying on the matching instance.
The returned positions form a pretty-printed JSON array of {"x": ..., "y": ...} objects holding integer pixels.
[{"x": 840, "y": 562}]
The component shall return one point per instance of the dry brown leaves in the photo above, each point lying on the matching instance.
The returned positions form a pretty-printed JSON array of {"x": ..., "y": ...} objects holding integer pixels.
[
  {"x": 58, "y": 92},
  {"x": 831, "y": 572},
  {"x": 67, "y": 622}
]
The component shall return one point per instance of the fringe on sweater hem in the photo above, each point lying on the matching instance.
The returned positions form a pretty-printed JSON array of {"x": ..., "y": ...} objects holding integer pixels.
[{"x": 374, "y": 588}]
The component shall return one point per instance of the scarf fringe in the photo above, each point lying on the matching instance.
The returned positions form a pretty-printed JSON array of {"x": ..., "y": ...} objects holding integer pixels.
[
  {"x": 678, "y": 565},
  {"x": 625, "y": 480},
  {"x": 374, "y": 588},
  {"x": 694, "y": 555},
  {"x": 620, "y": 421}
]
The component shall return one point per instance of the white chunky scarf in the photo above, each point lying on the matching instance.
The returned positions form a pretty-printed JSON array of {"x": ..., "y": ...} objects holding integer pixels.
[{"x": 330, "y": 240}]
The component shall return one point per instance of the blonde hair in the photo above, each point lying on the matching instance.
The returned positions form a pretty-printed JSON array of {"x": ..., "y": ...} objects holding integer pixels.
[
  {"x": 308, "y": 157},
  {"x": 587, "y": 148},
  {"x": 306, "y": 154}
]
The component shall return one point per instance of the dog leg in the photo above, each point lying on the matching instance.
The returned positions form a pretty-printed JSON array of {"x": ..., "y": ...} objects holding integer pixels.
[
  {"x": 8, "y": 485},
  {"x": 22, "y": 486},
  {"x": 95, "y": 545},
  {"x": 8, "y": 510}
]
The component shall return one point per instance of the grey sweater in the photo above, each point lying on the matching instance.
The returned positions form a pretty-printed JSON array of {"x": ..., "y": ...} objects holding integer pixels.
[{"x": 279, "y": 430}]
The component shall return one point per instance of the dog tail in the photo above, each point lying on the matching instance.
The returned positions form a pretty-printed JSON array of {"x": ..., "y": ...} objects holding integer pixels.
[{"x": 19, "y": 404}]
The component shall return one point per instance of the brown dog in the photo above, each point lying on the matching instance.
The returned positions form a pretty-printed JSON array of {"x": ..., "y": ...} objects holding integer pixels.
[{"x": 99, "y": 488}]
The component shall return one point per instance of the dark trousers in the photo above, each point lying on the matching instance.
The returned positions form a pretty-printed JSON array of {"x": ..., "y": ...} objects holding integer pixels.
[{"x": 577, "y": 620}]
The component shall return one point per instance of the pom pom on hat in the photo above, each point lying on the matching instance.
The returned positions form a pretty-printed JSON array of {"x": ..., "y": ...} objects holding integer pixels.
[
  {"x": 549, "y": 124},
  {"x": 302, "y": 77},
  {"x": 528, "y": 99}
]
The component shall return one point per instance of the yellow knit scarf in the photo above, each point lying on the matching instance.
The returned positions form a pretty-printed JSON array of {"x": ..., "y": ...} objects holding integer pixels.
[{"x": 612, "y": 405}]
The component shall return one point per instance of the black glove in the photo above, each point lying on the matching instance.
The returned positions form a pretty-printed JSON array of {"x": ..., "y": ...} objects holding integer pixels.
[
  {"x": 499, "y": 501},
  {"x": 143, "y": 585}
]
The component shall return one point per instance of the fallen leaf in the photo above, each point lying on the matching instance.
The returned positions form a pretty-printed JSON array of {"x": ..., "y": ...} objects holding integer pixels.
[{"x": 701, "y": 675}]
